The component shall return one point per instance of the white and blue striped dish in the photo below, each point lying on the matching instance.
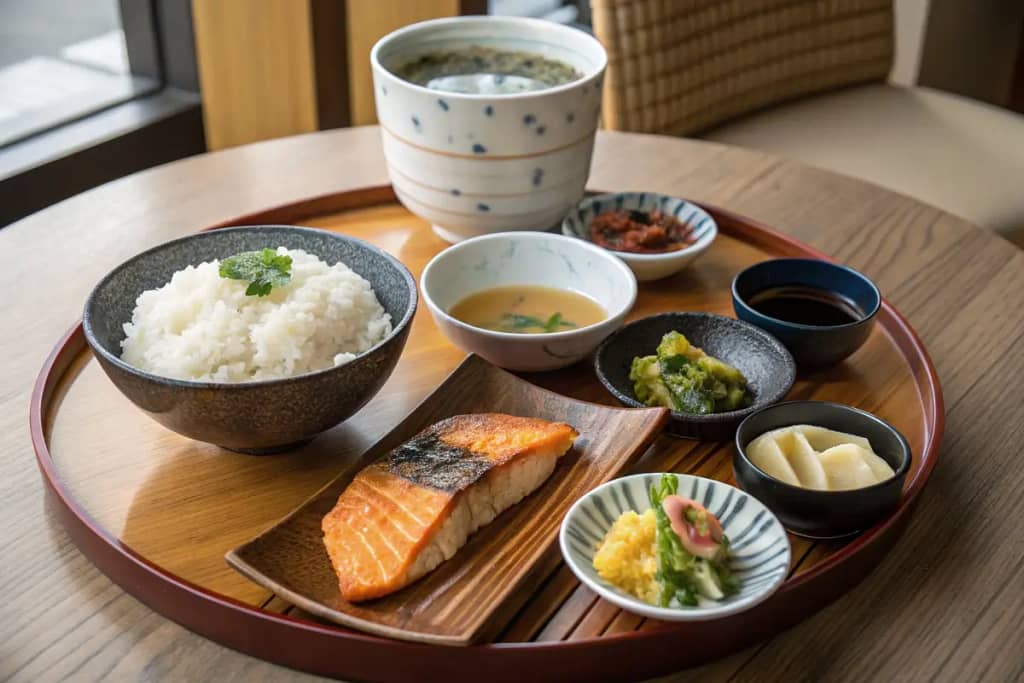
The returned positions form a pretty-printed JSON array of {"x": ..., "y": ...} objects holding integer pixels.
[
  {"x": 646, "y": 266},
  {"x": 758, "y": 546}
]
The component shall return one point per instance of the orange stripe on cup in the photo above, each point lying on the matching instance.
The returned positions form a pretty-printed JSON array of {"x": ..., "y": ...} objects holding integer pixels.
[{"x": 489, "y": 157}]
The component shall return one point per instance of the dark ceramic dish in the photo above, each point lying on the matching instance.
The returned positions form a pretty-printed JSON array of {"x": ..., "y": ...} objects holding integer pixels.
[
  {"x": 765, "y": 363},
  {"x": 253, "y": 417},
  {"x": 823, "y": 514},
  {"x": 812, "y": 346}
]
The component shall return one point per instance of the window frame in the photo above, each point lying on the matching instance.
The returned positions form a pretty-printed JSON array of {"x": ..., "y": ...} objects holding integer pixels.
[{"x": 129, "y": 136}]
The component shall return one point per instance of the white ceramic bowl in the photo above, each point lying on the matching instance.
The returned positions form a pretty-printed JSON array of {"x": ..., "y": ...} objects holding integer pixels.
[
  {"x": 647, "y": 266},
  {"x": 527, "y": 258},
  {"x": 759, "y": 548},
  {"x": 475, "y": 164}
]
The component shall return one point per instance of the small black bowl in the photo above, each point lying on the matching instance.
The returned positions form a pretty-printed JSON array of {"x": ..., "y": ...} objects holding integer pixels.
[
  {"x": 823, "y": 514},
  {"x": 812, "y": 346},
  {"x": 264, "y": 416},
  {"x": 765, "y": 363}
]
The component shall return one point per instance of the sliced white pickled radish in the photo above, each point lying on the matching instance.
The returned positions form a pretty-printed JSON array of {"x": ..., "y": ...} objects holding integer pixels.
[
  {"x": 846, "y": 467},
  {"x": 766, "y": 455},
  {"x": 807, "y": 465},
  {"x": 822, "y": 439},
  {"x": 879, "y": 466}
]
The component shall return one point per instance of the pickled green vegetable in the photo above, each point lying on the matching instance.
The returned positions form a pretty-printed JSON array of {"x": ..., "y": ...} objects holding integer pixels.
[
  {"x": 681, "y": 575},
  {"x": 682, "y": 377}
]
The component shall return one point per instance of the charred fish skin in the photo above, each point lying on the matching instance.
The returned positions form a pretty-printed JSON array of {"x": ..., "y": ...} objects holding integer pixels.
[
  {"x": 408, "y": 512},
  {"x": 426, "y": 460}
]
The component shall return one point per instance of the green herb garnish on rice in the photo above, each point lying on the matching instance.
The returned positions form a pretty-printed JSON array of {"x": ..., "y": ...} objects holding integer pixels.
[{"x": 263, "y": 270}]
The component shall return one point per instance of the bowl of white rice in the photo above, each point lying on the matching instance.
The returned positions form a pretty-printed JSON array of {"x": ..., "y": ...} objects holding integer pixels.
[{"x": 192, "y": 335}]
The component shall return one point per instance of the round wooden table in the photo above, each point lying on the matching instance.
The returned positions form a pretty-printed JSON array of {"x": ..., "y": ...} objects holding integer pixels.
[{"x": 946, "y": 603}]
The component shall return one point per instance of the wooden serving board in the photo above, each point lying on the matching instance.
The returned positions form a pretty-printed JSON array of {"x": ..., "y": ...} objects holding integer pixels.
[
  {"x": 157, "y": 512},
  {"x": 471, "y": 596}
]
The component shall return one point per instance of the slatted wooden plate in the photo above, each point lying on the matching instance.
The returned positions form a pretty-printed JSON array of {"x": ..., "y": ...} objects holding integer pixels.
[
  {"x": 462, "y": 601},
  {"x": 157, "y": 512}
]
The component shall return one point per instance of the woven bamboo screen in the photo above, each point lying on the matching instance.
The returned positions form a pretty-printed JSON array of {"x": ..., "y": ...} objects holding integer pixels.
[{"x": 682, "y": 66}]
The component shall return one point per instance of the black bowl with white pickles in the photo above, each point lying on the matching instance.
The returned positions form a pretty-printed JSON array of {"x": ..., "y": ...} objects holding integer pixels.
[
  {"x": 260, "y": 416},
  {"x": 816, "y": 513}
]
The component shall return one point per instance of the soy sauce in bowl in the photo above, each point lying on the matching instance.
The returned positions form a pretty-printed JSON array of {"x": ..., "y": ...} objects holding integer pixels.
[
  {"x": 806, "y": 305},
  {"x": 821, "y": 311}
]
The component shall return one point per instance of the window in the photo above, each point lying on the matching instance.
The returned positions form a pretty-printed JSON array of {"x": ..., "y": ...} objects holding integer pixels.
[
  {"x": 61, "y": 60},
  {"x": 91, "y": 90},
  {"x": 575, "y": 12}
]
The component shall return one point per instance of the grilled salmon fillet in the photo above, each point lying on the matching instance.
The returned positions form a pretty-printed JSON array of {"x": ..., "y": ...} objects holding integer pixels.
[{"x": 405, "y": 514}]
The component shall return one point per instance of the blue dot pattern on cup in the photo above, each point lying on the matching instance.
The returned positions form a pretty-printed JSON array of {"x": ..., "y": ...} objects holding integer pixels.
[{"x": 532, "y": 153}]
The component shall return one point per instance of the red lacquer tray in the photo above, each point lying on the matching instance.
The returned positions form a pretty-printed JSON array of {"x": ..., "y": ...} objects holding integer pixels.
[{"x": 156, "y": 512}]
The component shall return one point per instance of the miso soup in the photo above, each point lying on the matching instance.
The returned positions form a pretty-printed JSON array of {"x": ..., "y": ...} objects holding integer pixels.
[
  {"x": 528, "y": 309},
  {"x": 483, "y": 70}
]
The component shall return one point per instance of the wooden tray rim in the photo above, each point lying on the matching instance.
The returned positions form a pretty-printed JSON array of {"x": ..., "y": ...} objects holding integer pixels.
[{"x": 251, "y": 629}]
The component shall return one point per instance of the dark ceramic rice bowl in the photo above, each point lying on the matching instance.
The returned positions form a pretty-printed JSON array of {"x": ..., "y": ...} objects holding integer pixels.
[
  {"x": 262, "y": 416},
  {"x": 762, "y": 359}
]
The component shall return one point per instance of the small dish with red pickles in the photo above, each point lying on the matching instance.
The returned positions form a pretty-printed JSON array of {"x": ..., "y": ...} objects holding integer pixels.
[{"x": 656, "y": 235}]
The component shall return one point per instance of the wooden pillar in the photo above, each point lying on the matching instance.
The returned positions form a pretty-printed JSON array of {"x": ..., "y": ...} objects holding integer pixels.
[
  {"x": 372, "y": 20},
  {"x": 256, "y": 69},
  {"x": 270, "y": 68}
]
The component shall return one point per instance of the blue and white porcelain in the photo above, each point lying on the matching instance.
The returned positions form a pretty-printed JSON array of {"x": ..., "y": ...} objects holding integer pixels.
[
  {"x": 527, "y": 258},
  {"x": 473, "y": 164},
  {"x": 759, "y": 549},
  {"x": 647, "y": 266}
]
